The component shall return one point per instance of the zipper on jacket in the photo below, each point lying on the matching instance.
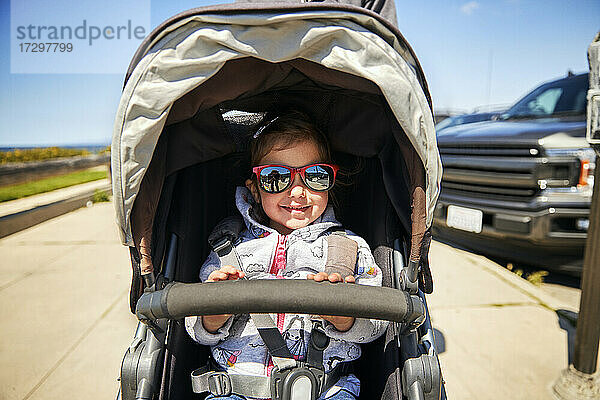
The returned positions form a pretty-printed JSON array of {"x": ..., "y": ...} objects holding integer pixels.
[
  {"x": 277, "y": 267},
  {"x": 279, "y": 262}
]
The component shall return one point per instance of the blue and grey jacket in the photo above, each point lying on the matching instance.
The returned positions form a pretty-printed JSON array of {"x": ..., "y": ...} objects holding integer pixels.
[{"x": 266, "y": 254}]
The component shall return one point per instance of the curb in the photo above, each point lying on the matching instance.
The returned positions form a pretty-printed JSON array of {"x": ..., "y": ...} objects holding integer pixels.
[
  {"x": 19, "y": 221},
  {"x": 529, "y": 289}
]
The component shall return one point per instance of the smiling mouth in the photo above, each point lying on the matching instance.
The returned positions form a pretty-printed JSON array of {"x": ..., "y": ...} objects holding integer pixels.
[{"x": 295, "y": 208}]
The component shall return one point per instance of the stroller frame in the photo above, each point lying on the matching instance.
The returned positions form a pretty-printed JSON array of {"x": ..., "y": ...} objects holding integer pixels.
[{"x": 140, "y": 164}]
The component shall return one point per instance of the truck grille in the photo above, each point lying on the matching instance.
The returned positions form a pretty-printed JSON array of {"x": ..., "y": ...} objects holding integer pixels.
[{"x": 502, "y": 173}]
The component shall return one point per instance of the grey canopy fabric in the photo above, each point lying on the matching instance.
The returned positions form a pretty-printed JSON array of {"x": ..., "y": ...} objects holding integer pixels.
[
  {"x": 385, "y": 8},
  {"x": 382, "y": 11},
  {"x": 181, "y": 68}
]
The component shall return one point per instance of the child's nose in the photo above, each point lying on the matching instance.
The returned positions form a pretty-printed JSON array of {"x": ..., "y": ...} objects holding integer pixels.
[{"x": 298, "y": 188}]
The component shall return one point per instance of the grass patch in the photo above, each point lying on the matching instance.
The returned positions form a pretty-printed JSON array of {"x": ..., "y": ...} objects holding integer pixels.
[
  {"x": 100, "y": 196},
  {"x": 21, "y": 190}
]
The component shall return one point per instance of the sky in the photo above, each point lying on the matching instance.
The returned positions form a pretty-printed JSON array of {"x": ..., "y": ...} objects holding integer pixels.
[{"x": 474, "y": 54}]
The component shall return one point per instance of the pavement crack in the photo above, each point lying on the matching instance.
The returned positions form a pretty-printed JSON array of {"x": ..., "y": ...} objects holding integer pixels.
[
  {"x": 77, "y": 343},
  {"x": 29, "y": 273},
  {"x": 485, "y": 305},
  {"x": 16, "y": 280},
  {"x": 498, "y": 275}
]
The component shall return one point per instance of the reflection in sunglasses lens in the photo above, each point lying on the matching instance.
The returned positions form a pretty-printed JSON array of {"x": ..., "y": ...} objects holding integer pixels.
[
  {"x": 319, "y": 177},
  {"x": 274, "y": 179}
]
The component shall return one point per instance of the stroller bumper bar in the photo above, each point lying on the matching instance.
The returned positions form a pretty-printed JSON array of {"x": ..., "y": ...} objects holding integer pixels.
[{"x": 179, "y": 300}]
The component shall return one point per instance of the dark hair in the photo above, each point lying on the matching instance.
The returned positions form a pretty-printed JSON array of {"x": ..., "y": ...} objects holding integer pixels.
[{"x": 285, "y": 130}]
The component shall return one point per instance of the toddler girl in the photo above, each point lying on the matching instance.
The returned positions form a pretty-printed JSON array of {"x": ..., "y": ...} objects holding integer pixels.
[{"x": 287, "y": 215}]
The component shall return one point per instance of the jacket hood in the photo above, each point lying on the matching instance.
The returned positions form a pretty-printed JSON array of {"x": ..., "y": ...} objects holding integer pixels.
[{"x": 245, "y": 204}]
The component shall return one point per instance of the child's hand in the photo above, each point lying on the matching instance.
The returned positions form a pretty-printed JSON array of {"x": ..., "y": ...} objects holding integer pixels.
[
  {"x": 333, "y": 278},
  {"x": 226, "y": 273},
  {"x": 212, "y": 323},
  {"x": 342, "y": 324}
]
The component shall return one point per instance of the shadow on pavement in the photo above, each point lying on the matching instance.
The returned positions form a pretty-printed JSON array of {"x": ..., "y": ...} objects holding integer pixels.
[
  {"x": 567, "y": 320},
  {"x": 440, "y": 341},
  {"x": 446, "y": 241}
]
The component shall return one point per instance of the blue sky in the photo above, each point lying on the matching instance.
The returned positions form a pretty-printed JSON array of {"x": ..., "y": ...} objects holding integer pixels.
[{"x": 473, "y": 53}]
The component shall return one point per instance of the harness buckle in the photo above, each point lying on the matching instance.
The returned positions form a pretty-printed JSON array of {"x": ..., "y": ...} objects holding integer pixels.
[
  {"x": 219, "y": 383},
  {"x": 298, "y": 383}
]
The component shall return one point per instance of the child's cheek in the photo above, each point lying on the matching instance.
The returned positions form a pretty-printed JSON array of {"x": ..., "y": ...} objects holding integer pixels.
[{"x": 270, "y": 205}]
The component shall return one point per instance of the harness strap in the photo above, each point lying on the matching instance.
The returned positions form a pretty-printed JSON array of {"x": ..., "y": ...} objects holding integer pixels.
[
  {"x": 227, "y": 254},
  {"x": 318, "y": 343},
  {"x": 221, "y": 383},
  {"x": 280, "y": 353},
  {"x": 341, "y": 253},
  {"x": 222, "y": 238}
]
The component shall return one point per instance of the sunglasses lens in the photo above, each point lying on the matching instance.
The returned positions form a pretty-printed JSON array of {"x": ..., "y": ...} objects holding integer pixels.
[
  {"x": 275, "y": 179},
  {"x": 319, "y": 177}
]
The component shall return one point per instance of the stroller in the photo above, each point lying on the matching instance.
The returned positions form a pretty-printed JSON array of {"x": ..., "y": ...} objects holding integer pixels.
[{"x": 195, "y": 92}]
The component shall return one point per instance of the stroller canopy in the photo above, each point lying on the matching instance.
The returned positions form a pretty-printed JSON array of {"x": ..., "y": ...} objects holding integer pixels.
[{"x": 202, "y": 59}]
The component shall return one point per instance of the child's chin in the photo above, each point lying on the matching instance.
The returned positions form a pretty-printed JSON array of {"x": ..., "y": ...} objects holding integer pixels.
[
  {"x": 288, "y": 226},
  {"x": 297, "y": 223}
]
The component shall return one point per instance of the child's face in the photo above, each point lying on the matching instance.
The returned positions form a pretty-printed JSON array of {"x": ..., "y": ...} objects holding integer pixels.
[{"x": 297, "y": 206}]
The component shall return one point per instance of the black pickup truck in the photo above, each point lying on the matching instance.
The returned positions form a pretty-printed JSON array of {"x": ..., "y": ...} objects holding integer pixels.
[{"x": 519, "y": 187}]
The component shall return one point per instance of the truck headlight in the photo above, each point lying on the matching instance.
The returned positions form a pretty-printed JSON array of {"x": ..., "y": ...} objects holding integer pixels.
[
  {"x": 587, "y": 159},
  {"x": 587, "y": 165}
]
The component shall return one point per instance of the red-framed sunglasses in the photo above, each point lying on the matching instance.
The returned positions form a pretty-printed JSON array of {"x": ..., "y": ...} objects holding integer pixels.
[{"x": 275, "y": 178}]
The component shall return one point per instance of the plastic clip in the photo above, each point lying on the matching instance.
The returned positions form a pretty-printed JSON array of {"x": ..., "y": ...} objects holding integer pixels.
[{"x": 219, "y": 383}]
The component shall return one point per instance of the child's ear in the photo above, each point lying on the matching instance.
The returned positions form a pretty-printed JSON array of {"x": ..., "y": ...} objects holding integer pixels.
[{"x": 253, "y": 189}]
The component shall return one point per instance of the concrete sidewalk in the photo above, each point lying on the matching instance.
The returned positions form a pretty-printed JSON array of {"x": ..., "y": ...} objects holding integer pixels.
[
  {"x": 500, "y": 335},
  {"x": 64, "y": 308},
  {"x": 66, "y": 322}
]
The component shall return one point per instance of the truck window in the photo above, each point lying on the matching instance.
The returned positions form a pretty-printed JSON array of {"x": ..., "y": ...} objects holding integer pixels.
[{"x": 563, "y": 97}]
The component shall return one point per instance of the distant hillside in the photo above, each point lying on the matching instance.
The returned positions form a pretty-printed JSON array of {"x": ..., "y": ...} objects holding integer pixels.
[{"x": 20, "y": 155}]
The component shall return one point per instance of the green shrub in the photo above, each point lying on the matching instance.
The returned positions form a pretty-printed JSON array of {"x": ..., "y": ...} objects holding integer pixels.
[
  {"x": 105, "y": 150},
  {"x": 537, "y": 277},
  {"x": 100, "y": 196},
  {"x": 39, "y": 154}
]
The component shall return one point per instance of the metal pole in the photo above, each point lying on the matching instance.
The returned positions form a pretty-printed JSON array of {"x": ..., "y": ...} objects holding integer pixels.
[
  {"x": 578, "y": 382},
  {"x": 587, "y": 336}
]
